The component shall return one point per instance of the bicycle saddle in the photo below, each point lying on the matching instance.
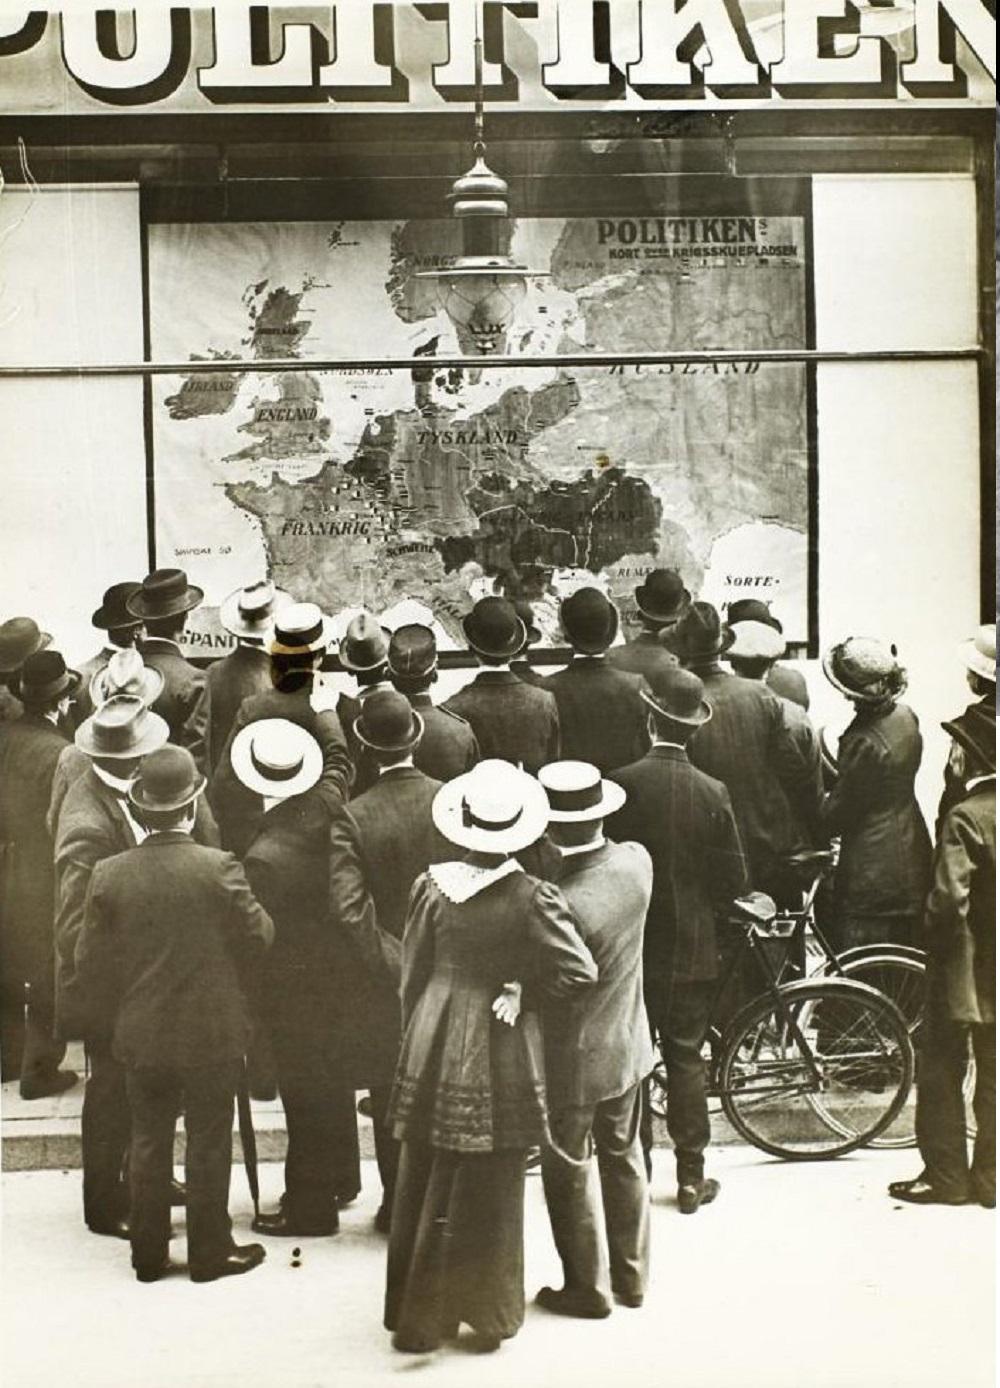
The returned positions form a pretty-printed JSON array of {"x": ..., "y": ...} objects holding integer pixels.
[{"x": 755, "y": 906}]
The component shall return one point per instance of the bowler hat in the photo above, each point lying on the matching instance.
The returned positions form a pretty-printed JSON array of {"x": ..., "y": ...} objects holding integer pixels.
[
  {"x": 589, "y": 620},
  {"x": 44, "y": 677},
  {"x": 412, "y": 652},
  {"x": 751, "y": 610},
  {"x": 250, "y": 612},
  {"x": 494, "y": 629},
  {"x": 19, "y": 638},
  {"x": 300, "y": 628},
  {"x": 663, "y": 597},
  {"x": 167, "y": 781},
  {"x": 755, "y": 641},
  {"x": 163, "y": 593},
  {"x": 388, "y": 722},
  {"x": 577, "y": 792},
  {"x": 864, "y": 669},
  {"x": 276, "y": 758},
  {"x": 126, "y": 674},
  {"x": 365, "y": 645},
  {"x": 979, "y": 653},
  {"x": 494, "y": 808},
  {"x": 678, "y": 694},
  {"x": 112, "y": 612},
  {"x": 699, "y": 635},
  {"x": 976, "y": 731},
  {"x": 122, "y": 728}
]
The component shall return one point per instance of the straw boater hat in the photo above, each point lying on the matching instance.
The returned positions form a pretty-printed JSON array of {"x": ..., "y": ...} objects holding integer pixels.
[
  {"x": 388, "y": 722},
  {"x": 163, "y": 593},
  {"x": 19, "y": 638},
  {"x": 112, "y": 612},
  {"x": 589, "y": 620},
  {"x": 577, "y": 793},
  {"x": 663, "y": 597},
  {"x": 126, "y": 674},
  {"x": 276, "y": 758},
  {"x": 300, "y": 628},
  {"x": 677, "y": 694},
  {"x": 122, "y": 728},
  {"x": 864, "y": 669},
  {"x": 44, "y": 677},
  {"x": 168, "y": 781},
  {"x": 494, "y": 629},
  {"x": 979, "y": 653},
  {"x": 250, "y": 612},
  {"x": 755, "y": 641},
  {"x": 494, "y": 808},
  {"x": 365, "y": 645}
]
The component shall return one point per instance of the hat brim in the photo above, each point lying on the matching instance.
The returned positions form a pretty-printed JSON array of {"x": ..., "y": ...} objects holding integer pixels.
[
  {"x": 984, "y": 751},
  {"x": 446, "y": 812},
  {"x": 612, "y": 799},
  {"x": 152, "y": 686},
  {"x": 187, "y": 601},
  {"x": 975, "y": 661},
  {"x": 104, "y": 621},
  {"x": 44, "y": 640},
  {"x": 168, "y": 806},
  {"x": 850, "y": 691},
  {"x": 241, "y": 759},
  {"x": 516, "y": 644},
  {"x": 231, "y": 621},
  {"x": 416, "y": 733},
  {"x": 155, "y": 735},
  {"x": 693, "y": 721}
]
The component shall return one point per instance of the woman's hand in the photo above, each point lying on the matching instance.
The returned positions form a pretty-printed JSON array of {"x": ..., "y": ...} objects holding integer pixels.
[{"x": 507, "y": 1004}]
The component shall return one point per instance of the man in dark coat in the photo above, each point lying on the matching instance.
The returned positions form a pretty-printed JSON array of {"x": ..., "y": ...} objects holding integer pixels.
[
  {"x": 30, "y": 747},
  {"x": 19, "y": 638},
  {"x": 122, "y": 631},
  {"x": 364, "y": 656},
  {"x": 960, "y": 933},
  {"x": 597, "y": 1054},
  {"x": 248, "y": 614},
  {"x": 685, "y": 820},
  {"x": 167, "y": 925},
  {"x": 602, "y": 719},
  {"x": 379, "y": 846},
  {"x": 979, "y": 655},
  {"x": 784, "y": 680},
  {"x": 162, "y": 604},
  {"x": 448, "y": 747},
  {"x": 661, "y": 602},
  {"x": 513, "y": 721}
]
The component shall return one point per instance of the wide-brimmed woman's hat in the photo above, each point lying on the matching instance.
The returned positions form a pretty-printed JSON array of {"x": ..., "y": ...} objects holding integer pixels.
[
  {"x": 589, "y": 620},
  {"x": 755, "y": 641},
  {"x": 126, "y": 674},
  {"x": 168, "y": 781},
  {"x": 365, "y": 645},
  {"x": 388, "y": 722},
  {"x": 979, "y": 653},
  {"x": 163, "y": 593},
  {"x": 699, "y": 635},
  {"x": 494, "y": 808},
  {"x": 250, "y": 612},
  {"x": 276, "y": 758},
  {"x": 577, "y": 792},
  {"x": 19, "y": 638},
  {"x": 663, "y": 597},
  {"x": 122, "y": 728},
  {"x": 865, "y": 669},
  {"x": 300, "y": 628},
  {"x": 677, "y": 694},
  {"x": 113, "y": 612},
  {"x": 494, "y": 629},
  {"x": 44, "y": 677}
]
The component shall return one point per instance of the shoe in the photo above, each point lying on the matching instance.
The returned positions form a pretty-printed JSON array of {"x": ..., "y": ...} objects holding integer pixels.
[
  {"x": 383, "y": 1218},
  {"x": 112, "y": 1228},
  {"x": 178, "y": 1193},
  {"x": 154, "y": 1273},
  {"x": 279, "y": 1225},
  {"x": 920, "y": 1192},
  {"x": 693, "y": 1194},
  {"x": 631, "y": 1299},
  {"x": 587, "y": 1306},
  {"x": 56, "y": 1083},
  {"x": 413, "y": 1344},
  {"x": 344, "y": 1202},
  {"x": 241, "y": 1258},
  {"x": 485, "y": 1344}
]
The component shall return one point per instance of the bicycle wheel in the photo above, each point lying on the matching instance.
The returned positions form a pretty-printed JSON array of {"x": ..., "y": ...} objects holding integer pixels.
[{"x": 819, "y": 1075}]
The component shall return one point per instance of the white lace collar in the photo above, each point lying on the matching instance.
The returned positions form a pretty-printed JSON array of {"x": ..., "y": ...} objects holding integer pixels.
[{"x": 460, "y": 881}]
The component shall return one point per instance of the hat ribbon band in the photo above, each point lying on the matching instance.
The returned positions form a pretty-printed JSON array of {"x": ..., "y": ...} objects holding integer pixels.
[
  {"x": 470, "y": 820},
  {"x": 275, "y": 773},
  {"x": 299, "y": 638}
]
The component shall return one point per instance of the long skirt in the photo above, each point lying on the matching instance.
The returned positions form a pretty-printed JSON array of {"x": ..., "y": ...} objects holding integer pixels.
[{"x": 456, "y": 1250}]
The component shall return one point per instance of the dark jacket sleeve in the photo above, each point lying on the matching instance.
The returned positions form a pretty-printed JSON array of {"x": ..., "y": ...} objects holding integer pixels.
[
  {"x": 799, "y": 769},
  {"x": 950, "y": 938},
  {"x": 418, "y": 947},
  {"x": 729, "y": 876},
  {"x": 251, "y": 930},
  {"x": 194, "y": 730},
  {"x": 858, "y": 768},
  {"x": 563, "y": 963},
  {"x": 351, "y": 904},
  {"x": 96, "y": 981},
  {"x": 77, "y": 853}
]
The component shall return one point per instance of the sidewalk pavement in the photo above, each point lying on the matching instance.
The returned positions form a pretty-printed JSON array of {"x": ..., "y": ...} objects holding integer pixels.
[{"x": 799, "y": 1275}]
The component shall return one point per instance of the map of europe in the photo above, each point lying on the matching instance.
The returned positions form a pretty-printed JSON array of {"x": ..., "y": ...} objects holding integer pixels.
[{"x": 366, "y": 486}]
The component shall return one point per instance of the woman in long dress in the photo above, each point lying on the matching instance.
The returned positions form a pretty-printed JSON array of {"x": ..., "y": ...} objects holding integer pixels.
[{"x": 468, "y": 1101}]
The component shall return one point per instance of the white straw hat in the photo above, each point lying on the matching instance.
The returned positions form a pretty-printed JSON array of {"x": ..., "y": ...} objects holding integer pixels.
[
  {"x": 494, "y": 808},
  {"x": 276, "y": 758}
]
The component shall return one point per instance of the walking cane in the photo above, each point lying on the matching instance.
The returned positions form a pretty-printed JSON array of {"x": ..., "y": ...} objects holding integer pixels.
[{"x": 248, "y": 1138}]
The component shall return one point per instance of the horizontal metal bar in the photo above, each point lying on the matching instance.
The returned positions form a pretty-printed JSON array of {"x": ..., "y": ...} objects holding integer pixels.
[{"x": 273, "y": 365}]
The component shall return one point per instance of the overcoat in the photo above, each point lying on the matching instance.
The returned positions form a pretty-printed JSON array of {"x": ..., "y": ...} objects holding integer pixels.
[
  {"x": 644, "y": 655},
  {"x": 246, "y": 670},
  {"x": 602, "y": 719},
  {"x": 514, "y": 721},
  {"x": 182, "y": 702}
]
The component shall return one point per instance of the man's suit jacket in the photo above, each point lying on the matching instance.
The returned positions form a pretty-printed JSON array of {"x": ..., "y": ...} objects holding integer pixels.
[
  {"x": 597, "y": 1046},
  {"x": 602, "y": 718},
  {"x": 379, "y": 846},
  {"x": 961, "y": 919},
  {"x": 684, "y": 820},
  {"x": 448, "y": 747},
  {"x": 243, "y": 672},
  {"x": 512, "y": 720},
  {"x": 644, "y": 655},
  {"x": 240, "y": 811},
  {"x": 166, "y": 924},
  {"x": 183, "y": 701}
]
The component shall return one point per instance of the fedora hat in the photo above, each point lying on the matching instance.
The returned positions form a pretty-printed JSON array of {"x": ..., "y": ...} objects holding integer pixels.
[
  {"x": 494, "y": 629},
  {"x": 19, "y": 638},
  {"x": 589, "y": 620},
  {"x": 388, "y": 723},
  {"x": 123, "y": 727},
  {"x": 250, "y": 612},
  {"x": 365, "y": 645},
  {"x": 751, "y": 610},
  {"x": 699, "y": 635},
  {"x": 979, "y": 653},
  {"x": 168, "y": 780},
  {"x": 276, "y": 758},
  {"x": 976, "y": 731},
  {"x": 412, "y": 652},
  {"x": 663, "y": 597},
  {"x": 112, "y": 612},
  {"x": 678, "y": 694},
  {"x": 494, "y": 808},
  {"x": 163, "y": 593},
  {"x": 126, "y": 674},
  {"x": 577, "y": 792},
  {"x": 755, "y": 641},
  {"x": 300, "y": 628},
  {"x": 44, "y": 677},
  {"x": 865, "y": 669}
]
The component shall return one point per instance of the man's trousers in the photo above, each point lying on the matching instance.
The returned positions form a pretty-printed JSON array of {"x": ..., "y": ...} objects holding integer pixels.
[
  {"x": 104, "y": 1138},
  {"x": 679, "y": 1016},
  {"x": 618, "y": 1261},
  {"x": 940, "y": 1118}
]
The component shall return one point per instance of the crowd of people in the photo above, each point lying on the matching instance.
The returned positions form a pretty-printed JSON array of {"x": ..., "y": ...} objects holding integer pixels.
[{"x": 485, "y": 913}]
